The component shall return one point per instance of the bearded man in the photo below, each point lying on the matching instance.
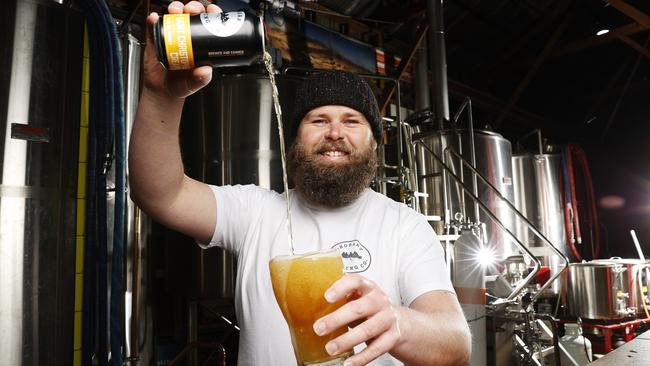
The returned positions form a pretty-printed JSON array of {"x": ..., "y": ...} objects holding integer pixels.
[{"x": 403, "y": 306}]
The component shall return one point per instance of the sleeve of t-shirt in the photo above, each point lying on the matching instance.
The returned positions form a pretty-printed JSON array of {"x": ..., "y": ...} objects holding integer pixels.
[
  {"x": 237, "y": 207},
  {"x": 422, "y": 261}
]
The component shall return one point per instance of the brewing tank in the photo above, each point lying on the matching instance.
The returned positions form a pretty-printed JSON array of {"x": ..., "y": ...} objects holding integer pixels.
[
  {"x": 40, "y": 103},
  {"x": 493, "y": 161},
  {"x": 538, "y": 197}
]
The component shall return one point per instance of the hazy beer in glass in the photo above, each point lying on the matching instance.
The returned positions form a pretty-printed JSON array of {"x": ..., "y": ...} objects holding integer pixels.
[{"x": 299, "y": 283}]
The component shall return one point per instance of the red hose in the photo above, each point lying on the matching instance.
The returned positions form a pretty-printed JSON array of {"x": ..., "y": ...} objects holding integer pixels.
[
  {"x": 566, "y": 202},
  {"x": 592, "y": 211},
  {"x": 574, "y": 200}
]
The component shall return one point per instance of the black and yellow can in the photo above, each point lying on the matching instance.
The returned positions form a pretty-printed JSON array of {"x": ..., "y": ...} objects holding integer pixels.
[{"x": 185, "y": 41}]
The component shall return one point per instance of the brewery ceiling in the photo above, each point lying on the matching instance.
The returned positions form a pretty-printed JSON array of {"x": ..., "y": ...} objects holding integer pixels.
[
  {"x": 530, "y": 64},
  {"x": 525, "y": 63}
]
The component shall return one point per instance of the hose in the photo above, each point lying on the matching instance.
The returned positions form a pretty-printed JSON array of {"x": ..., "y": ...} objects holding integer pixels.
[
  {"x": 574, "y": 200},
  {"x": 591, "y": 207},
  {"x": 568, "y": 207},
  {"x": 106, "y": 104}
]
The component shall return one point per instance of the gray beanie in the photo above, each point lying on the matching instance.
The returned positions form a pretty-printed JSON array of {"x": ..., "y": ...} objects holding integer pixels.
[{"x": 336, "y": 88}]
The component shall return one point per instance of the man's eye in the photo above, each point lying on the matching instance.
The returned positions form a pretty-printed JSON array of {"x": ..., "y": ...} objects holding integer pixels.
[
  {"x": 351, "y": 121},
  {"x": 319, "y": 121}
]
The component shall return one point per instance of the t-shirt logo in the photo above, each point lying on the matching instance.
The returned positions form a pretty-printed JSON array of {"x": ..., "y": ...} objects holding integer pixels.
[{"x": 356, "y": 258}]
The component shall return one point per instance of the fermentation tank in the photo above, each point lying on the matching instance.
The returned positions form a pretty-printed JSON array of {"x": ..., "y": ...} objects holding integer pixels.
[
  {"x": 493, "y": 161},
  {"x": 40, "y": 95},
  {"x": 538, "y": 198}
]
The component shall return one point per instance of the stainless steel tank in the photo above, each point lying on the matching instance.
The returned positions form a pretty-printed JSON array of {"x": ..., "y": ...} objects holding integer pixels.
[
  {"x": 238, "y": 144},
  {"x": 40, "y": 95},
  {"x": 537, "y": 188},
  {"x": 598, "y": 291},
  {"x": 493, "y": 160},
  {"x": 636, "y": 276}
]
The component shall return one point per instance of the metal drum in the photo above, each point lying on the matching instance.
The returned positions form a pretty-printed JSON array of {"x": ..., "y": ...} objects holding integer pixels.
[
  {"x": 636, "y": 278},
  {"x": 597, "y": 291},
  {"x": 493, "y": 160},
  {"x": 537, "y": 196}
]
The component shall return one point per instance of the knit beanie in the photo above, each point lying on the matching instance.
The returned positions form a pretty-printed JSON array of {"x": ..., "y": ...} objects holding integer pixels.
[{"x": 336, "y": 88}]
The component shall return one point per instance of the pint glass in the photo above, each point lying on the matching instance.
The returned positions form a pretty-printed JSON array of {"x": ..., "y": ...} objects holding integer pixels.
[{"x": 299, "y": 283}]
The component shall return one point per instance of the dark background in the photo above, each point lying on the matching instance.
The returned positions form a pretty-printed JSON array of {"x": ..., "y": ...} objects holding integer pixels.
[{"x": 531, "y": 64}]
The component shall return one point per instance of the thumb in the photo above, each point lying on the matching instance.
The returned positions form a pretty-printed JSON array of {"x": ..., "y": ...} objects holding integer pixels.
[{"x": 201, "y": 76}]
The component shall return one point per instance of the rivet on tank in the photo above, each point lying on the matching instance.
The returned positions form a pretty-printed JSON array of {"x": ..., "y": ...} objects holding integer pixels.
[{"x": 185, "y": 41}]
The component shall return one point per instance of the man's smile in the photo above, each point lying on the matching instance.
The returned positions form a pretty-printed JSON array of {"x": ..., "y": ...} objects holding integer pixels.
[{"x": 333, "y": 154}]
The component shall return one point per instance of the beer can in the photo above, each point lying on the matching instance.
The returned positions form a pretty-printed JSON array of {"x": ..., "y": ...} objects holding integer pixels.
[{"x": 185, "y": 41}]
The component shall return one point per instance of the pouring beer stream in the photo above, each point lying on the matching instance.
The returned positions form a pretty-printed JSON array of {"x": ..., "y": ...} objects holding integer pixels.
[{"x": 268, "y": 62}]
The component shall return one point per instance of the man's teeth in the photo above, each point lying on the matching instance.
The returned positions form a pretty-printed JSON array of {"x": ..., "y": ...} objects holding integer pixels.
[{"x": 333, "y": 153}]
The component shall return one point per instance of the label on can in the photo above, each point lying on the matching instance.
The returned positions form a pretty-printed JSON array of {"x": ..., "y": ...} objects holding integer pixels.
[
  {"x": 178, "y": 41},
  {"x": 223, "y": 24}
]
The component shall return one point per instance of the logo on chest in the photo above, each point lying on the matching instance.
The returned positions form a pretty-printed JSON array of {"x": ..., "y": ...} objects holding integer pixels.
[{"x": 356, "y": 258}]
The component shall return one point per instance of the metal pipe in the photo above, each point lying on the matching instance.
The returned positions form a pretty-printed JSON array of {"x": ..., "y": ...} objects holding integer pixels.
[
  {"x": 467, "y": 104},
  {"x": 422, "y": 91},
  {"x": 438, "y": 61},
  {"x": 472, "y": 146},
  {"x": 556, "y": 339}
]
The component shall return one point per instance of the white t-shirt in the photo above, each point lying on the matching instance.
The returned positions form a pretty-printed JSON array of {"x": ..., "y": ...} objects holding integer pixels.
[{"x": 379, "y": 238}]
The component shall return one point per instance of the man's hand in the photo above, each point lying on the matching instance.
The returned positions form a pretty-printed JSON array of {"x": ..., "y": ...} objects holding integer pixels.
[
  {"x": 370, "y": 308},
  {"x": 431, "y": 331},
  {"x": 174, "y": 84}
]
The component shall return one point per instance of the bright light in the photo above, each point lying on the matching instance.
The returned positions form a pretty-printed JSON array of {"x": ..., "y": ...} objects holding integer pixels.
[
  {"x": 611, "y": 202},
  {"x": 485, "y": 256},
  {"x": 602, "y": 31}
]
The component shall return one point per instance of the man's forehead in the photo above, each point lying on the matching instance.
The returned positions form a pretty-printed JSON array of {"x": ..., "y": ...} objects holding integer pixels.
[{"x": 333, "y": 109}]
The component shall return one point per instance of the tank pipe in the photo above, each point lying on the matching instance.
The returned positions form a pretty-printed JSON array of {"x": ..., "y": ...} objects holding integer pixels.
[
  {"x": 438, "y": 61},
  {"x": 461, "y": 171},
  {"x": 472, "y": 146},
  {"x": 509, "y": 234},
  {"x": 467, "y": 103},
  {"x": 523, "y": 218},
  {"x": 422, "y": 91}
]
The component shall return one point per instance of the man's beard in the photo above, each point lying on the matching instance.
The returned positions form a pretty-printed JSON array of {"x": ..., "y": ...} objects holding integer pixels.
[{"x": 331, "y": 184}]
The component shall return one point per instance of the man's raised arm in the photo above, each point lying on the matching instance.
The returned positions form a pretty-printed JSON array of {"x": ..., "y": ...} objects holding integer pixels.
[{"x": 157, "y": 181}]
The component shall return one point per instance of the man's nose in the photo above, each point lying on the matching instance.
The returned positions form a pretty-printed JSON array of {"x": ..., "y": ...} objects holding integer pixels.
[{"x": 334, "y": 131}]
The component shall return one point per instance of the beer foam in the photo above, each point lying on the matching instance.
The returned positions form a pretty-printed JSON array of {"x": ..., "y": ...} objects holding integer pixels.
[{"x": 312, "y": 254}]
